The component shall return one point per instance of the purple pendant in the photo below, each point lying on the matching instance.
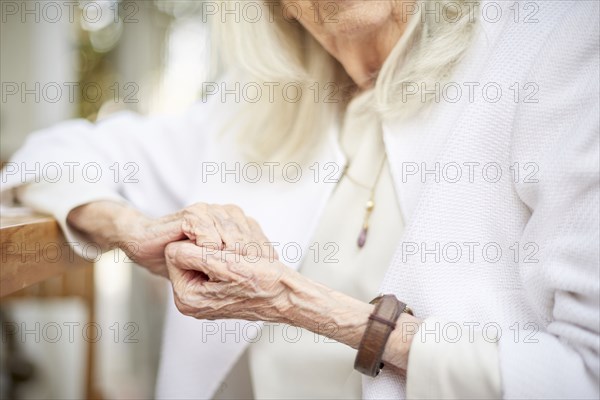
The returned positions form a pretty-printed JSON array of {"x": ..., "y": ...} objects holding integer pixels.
[{"x": 362, "y": 238}]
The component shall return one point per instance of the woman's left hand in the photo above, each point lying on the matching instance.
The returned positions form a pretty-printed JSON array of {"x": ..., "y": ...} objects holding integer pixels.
[{"x": 212, "y": 284}]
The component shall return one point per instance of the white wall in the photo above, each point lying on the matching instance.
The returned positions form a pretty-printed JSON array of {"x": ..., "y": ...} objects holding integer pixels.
[{"x": 34, "y": 52}]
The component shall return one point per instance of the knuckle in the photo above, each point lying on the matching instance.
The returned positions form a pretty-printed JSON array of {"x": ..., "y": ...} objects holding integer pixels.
[
  {"x": 172, "y": 251},
  {"x": 189, "y": 217},
  {"x": 230, "y": 225},
  {"x": 233, "y": 208},
  {"x": 195, "y": 221}
]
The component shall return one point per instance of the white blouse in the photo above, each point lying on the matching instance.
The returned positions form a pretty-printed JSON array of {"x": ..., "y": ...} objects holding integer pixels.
[{"x": 303, "y": 365}]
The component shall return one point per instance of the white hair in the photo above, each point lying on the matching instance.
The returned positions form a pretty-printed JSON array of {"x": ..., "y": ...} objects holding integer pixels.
[{"x": 274, "y": 51}]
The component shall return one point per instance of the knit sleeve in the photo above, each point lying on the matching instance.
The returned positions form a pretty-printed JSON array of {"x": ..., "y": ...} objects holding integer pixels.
[
  {"x": 125, "y": 158},
  {"x": 558, "y": 139}
]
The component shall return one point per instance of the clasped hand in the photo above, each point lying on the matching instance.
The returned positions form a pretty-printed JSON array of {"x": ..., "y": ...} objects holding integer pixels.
[
  {"x": 221, "y": 265},
  {"x": 219, "y": 261}
]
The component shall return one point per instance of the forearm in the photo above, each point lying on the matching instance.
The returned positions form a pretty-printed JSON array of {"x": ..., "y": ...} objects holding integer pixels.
[
  {"x": 317, "y": 308},
  {"x": 103, "y": 222}
]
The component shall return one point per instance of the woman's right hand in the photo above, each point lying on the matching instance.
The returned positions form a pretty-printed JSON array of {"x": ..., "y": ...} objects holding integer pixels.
[{"x": 143, "y": 239}]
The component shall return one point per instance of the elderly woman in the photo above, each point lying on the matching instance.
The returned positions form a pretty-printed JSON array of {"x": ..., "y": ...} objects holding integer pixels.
[{"x": 443, "y": 154}]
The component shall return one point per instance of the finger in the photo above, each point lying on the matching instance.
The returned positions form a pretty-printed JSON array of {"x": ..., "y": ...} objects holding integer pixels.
[
  {"x": 254, "y": 242},
  {"x": 201, "y": 230},
  {"x": 186, "y": 256},
  {"x": 233, "y": 229},
  {"x": 174, "y": 272},
  {"x": 238, "y": 215},
  {"x": 245, "y": 235},
  {"x": 168, "y": 229},
  {"x": 188, "y": 284},
  {"x": 266, "y": 249}
]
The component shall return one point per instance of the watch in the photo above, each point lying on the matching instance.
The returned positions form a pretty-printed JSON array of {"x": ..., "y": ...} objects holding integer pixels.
[{"x": 379, "y": 327}]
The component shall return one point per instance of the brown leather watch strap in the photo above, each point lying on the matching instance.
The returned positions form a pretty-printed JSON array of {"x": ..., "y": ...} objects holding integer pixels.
[{"x": 379, "y": 327}]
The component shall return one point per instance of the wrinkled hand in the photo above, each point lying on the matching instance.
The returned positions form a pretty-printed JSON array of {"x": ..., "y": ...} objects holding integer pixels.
[
  {"x": 223, "y": 227},
  {"x": 211, "y": 284},
  {"x": 219, "y": 284},
  {"x": 219, "y": 227}
]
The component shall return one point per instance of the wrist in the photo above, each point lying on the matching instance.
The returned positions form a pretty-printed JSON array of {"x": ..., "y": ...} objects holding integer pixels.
[
  {"x": 319, "y": 309},
  {"x": 398, "y": 345},
  {"x": 105, "y": 223},
  {"x": 129, "y": 225}
]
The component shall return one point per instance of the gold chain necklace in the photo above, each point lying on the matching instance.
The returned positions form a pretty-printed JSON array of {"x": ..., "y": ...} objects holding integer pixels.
[{"x": 370, "y": 205}]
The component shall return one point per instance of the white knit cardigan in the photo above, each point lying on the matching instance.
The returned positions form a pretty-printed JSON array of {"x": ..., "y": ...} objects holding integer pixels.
[
  {"x": 543, "y": 299},
  {"x": 552, "y": 297}
]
